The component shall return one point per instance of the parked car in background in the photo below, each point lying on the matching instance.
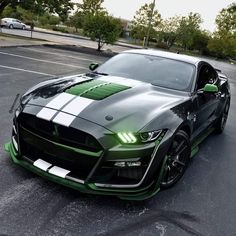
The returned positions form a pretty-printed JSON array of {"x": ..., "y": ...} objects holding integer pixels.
[{"x": 12, "y": 23}]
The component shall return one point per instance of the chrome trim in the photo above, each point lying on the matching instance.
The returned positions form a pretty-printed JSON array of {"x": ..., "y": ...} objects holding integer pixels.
[
  {"x": 14, "y": 129},
  {"x": 15, "y": 143},
  {"x": 75, "y": 179},
  {"x": 132, "y": 185}
]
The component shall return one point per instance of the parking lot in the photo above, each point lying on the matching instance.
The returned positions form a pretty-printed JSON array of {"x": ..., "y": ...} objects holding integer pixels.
[{"x": 202, "y": 203}]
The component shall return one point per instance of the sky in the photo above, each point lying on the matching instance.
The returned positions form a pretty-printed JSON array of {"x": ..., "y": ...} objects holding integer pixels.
[{"x": 207, "y": 8}]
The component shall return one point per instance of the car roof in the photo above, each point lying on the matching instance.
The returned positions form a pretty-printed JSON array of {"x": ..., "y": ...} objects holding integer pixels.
[{"x": 169, "y": 55}]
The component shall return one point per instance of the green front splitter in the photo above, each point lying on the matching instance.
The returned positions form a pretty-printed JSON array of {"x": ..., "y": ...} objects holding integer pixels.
[
  {"x": 137, "y": 194},
  {"x": 91, "y": 188}
]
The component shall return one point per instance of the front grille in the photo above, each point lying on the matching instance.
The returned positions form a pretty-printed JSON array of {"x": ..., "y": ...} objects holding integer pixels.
[
  {"x": 35, "y": 147},
  {"x": 58, "y": 133}
]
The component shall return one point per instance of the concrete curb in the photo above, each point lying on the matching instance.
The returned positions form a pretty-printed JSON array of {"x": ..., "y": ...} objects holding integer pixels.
[
  {"x": 81, "y": 49},
  {"x": 82, "y": 38}
]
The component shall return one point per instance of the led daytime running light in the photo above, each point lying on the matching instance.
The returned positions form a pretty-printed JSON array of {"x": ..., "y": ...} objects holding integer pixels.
[{"x": 127, "y": 137}]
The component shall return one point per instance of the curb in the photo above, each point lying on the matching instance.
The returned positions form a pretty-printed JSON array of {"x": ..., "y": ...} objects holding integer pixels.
[
  {"x": 82, "y": 38},
  {"x": 81, "y": 49}
]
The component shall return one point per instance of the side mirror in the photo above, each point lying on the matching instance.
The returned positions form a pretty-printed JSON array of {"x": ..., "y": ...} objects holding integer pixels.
[
  {"x": 93, "y": 66},
  {"x": 210, "y": 88}
]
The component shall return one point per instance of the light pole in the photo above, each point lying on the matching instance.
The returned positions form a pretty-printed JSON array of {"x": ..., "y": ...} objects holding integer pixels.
[{"x": 150, "y": 24}]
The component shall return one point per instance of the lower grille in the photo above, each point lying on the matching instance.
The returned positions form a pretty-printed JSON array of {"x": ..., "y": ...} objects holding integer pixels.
[{"x": 35, "y": 147}]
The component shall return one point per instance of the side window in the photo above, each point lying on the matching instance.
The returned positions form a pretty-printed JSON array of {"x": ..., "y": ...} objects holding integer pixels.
[{"x": 207, "y": 75}]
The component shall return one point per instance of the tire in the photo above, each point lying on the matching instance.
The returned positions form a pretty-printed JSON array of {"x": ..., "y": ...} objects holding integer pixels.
[
  {"x": 11, "y": 26},
  {"x": 178, "y": 159},
  {"x": 220, "y": 124},
  {"x": 23, "y": 27}
]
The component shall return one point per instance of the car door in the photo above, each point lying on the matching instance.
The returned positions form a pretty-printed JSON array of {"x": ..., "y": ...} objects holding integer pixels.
[{"x": 205, "y": 104}]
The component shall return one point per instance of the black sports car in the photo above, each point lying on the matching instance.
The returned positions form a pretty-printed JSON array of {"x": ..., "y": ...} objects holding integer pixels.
[{"x": 127, "y": 128}]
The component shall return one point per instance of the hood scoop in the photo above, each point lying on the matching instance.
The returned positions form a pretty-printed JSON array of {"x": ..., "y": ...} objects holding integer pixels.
[{"x": 96, "y": 89}]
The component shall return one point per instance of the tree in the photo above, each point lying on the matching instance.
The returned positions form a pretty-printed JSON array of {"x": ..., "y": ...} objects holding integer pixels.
[
  {"x": 87, "y": 7},
  {"x": 222, "y": 47},
  {"x": 39, "y": 7},
  {"x": 200, "y": 41},
  {"x": 103, "y": 28},
  {"x": 188, "y": 27},
  {"x": 223, "y": 42},
  {"x": 141, "y": 20},
  {"x": 90, "y": 7},
  {"x": 168, "y": 31},
  {"x": 226, "y": 21}
]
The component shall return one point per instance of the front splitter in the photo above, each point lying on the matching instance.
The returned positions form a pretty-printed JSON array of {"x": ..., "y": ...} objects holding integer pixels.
[{"x": 90, "y": 188}]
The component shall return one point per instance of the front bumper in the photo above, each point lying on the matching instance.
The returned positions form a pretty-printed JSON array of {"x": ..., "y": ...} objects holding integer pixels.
[{"x": 139, "y": 193}]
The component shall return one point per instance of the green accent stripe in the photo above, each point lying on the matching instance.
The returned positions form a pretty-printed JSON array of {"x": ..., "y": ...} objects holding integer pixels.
[
  {"x": 96, "y": 89},
  {"x": 86, "y": 188}
]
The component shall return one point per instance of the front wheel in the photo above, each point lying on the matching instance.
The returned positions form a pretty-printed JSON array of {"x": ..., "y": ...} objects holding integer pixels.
[
  {"x": 10, "y": 26},
  {"x": 178, "y": 159},
  {"x": 220, "y": 124}
]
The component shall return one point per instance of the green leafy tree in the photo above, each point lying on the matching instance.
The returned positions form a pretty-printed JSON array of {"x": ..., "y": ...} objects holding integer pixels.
[
  {"x": 141, "y": 20},
  {"x": 39, "y": 7},
  {"x": 102, "y": 28},
  {"x": 188, "y": 27},
  {"x": 200, "y": 41},
  {"x": 90, "y": 7},
  {"x": 223, "y": 42},
  {"x": 226, "y": 21},
  {"x": 87, "y": 7},
  {"x": 168, "y": 31},
  {"x": 223, "y": 47}
]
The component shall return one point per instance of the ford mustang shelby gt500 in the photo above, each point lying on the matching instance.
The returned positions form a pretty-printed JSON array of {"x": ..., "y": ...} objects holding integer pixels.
[{"x": 127, "y": 128}]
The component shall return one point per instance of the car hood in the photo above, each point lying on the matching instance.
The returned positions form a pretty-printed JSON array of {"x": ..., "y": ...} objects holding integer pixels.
[{"x": 130, "y": 106}]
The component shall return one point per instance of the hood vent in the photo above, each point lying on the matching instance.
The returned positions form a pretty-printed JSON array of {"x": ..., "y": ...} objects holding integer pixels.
[{"x": 96, "y": 89}]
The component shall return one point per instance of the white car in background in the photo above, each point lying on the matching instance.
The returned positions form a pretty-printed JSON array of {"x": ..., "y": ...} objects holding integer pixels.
[{"x": 12, "y": 23}]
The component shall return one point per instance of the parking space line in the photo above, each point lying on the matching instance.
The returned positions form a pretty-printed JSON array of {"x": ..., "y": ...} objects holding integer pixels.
[
  {"x": 29, "y": 71},
  {"x": 45, "y": 61},
  {"x": 59, "y": 54}
]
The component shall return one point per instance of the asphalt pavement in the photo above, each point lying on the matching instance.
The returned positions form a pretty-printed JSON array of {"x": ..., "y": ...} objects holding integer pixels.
[{"x": 202, "y": 203}]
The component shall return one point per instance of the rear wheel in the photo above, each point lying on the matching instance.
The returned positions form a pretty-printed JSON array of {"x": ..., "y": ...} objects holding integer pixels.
[
  {"x": 220, "y": 125},
  {"x": 23, "y": 27},
  {"x": 11, "y": 26},
  {"x": 178, "y": 159}
]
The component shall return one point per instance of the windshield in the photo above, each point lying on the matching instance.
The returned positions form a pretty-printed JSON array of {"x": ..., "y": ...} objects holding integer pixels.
[{"x": 158, "y": 71}]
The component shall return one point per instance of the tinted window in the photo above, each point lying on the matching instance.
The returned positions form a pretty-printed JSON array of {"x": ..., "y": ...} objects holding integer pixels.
[
  {"x": 207, "y": 75},
  {"x": 158, "y": 71}
]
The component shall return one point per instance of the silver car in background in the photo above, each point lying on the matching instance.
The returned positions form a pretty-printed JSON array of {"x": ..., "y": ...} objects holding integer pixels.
[{"x": 12, "y": 23}]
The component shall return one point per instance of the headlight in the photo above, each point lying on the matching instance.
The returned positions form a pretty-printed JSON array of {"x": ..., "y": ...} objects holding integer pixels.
[
  {"x": 130, "y": 138},
  {"x": 150, "y": 136}
]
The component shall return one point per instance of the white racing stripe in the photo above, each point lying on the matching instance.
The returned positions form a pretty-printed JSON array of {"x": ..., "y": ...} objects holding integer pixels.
[
  {"x": 46, "y": 114},
  {"x": 64, "y": 119},
  {"x": 77, "y": 106},
  {"x": 41, "y": 164},
  {"x": 58, "y": 171},
  {"x": 60, "y": 101}
]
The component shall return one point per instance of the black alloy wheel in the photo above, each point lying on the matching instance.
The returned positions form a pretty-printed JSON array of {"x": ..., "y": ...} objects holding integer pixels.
[
  {"x": 178, "y": 159},
  {"x": 220, "y": 125}
]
